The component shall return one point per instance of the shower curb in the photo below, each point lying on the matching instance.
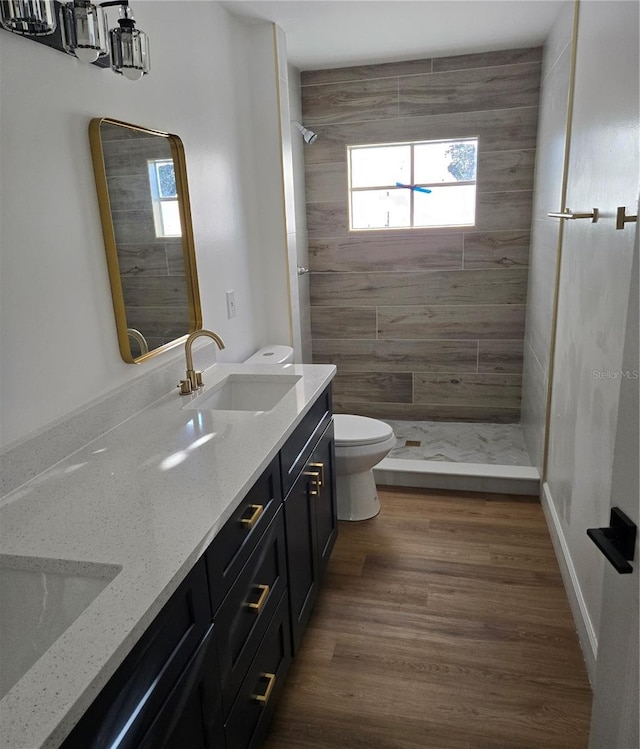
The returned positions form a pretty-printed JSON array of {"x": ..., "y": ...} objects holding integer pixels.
[{"x": 480, "y": 477}]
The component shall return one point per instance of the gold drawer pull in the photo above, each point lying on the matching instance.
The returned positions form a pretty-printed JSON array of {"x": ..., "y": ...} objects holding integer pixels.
[
  {"x": 264, "y": 592},
  {"x": 264, "y": 698},
  {"x": 250, "y": 522},
  {"x": 315, "y": 475},
  {"x": 320, "y": 466}
]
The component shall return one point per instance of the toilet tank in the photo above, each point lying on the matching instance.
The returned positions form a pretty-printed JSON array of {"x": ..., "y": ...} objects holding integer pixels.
[{"x": 272, "y": 354}]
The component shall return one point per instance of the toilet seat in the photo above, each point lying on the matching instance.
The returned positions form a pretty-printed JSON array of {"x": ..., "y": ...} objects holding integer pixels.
[{"x": 356, "y": 431}]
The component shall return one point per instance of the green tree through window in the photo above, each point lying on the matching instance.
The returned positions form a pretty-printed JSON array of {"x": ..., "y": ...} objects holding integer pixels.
[{"x": 463, "y": 161}]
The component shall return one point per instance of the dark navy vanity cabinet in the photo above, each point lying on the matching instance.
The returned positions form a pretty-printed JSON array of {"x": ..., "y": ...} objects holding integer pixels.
[
  {"x": 312, "y": 527},
  {"x": 168, "y": 672},
  {"x": 207, "y": 672}
]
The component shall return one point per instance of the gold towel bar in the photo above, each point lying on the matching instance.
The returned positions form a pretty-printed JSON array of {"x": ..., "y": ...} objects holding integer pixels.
[
  {"x": 569, "y": 214},
  {"x": 622, "y": 218}
]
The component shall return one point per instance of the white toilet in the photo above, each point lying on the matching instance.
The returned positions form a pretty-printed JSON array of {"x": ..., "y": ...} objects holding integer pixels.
[
  {"x": 274, "y": 354},
  {"x": 361, "y": 443}
]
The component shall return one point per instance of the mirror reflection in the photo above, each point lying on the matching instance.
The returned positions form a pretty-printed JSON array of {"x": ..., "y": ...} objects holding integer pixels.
[{"x": 146, "y": 220}]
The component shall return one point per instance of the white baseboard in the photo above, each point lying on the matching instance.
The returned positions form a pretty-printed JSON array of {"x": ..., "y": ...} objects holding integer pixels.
[{"x": 586, "y": 633}]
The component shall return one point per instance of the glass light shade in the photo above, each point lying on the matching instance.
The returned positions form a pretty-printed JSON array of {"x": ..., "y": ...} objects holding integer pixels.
[
  {"x": 129, "y": 52},
  {"x": 86, "y": 28},
  {"x": 33, "y": 17}
]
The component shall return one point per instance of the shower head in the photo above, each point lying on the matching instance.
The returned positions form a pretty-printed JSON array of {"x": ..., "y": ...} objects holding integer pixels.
[{"x": 308, "y": 135}]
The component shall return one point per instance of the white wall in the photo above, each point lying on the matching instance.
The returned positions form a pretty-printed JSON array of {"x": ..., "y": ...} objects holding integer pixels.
[
  {"x": 545, "y": 231},
  {"x": 292, "y": 145},
  {"x": 286, "y": 156},
  {"x": 57, "y": 332},
  {"x": 266, "y": 175},
  {"x": 300, "y": 209},
  {"x": 593, "y": 293}
]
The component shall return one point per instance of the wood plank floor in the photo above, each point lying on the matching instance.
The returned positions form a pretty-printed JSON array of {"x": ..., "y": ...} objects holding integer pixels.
[{"x": 441, "y": 624}]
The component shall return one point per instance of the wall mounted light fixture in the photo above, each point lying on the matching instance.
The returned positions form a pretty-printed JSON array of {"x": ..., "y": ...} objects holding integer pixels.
[
  {"x": 85, "y": 27},
  {"x": 129, "y": 46},
  {"x": 308, "y": 135},
  {"x": 80, "y": 28},
  {"x": 32, "y": 17}
]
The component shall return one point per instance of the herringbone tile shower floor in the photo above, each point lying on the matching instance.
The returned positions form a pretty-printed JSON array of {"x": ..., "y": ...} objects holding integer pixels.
[{"x": 458, "y": 442}]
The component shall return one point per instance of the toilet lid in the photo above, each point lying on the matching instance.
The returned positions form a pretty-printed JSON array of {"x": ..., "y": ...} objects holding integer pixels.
[{"x": 359, "y": 430}]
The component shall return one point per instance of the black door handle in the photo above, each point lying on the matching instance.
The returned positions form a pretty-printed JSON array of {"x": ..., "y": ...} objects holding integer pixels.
[{"x": 617, "y": 542}]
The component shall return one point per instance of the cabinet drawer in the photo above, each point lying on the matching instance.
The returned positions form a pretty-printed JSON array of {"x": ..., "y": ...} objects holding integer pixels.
[
  {"x": 248, "y": 608},
  {"x": 246, "y": 725},
  {"x": 131, "y": 700},
  {"x": 238, "y": 538},
  {"x": 299, "y": 446},
  {"x": 192, "y": 715}
]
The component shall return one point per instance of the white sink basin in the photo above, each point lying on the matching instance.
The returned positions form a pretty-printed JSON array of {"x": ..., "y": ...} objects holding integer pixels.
[
  {"x": 41, "y": 598},
  {"x": 245, "y": 392}
]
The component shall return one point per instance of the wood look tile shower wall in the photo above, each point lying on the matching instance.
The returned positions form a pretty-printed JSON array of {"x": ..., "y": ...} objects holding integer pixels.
[{"x": 425, "y": 323}]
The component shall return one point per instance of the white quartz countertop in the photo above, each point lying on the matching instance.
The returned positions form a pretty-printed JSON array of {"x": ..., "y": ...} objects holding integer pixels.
[{"x": 146, "y": 498}]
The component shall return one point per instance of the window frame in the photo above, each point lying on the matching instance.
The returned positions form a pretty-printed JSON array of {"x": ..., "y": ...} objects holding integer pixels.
[
  {"x": 461, "y": 183},
  {"x": 157, "y": 199}
]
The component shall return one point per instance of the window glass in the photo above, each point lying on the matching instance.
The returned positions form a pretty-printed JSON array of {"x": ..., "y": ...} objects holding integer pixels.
[
  {"x": 444, "y": 162},
  {"x": 170, "y": 218},
  {"x": 166, "y": 179},
  {"x": 445, "y": 206},
  {"x": 380, "y": 209},
  {"x": 378, "y": 166},
  {"x": 164, "y": 197}
]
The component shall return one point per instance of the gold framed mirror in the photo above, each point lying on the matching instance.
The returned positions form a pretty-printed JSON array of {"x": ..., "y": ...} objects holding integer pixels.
[{"x": 143, "y": 194}]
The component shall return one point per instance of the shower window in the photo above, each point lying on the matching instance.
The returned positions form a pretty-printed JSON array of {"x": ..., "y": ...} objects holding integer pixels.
[{"x": 413, "y": 185}]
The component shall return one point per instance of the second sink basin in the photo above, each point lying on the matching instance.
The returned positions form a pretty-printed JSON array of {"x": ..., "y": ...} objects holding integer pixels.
[
  {"x": 41, "y": 598},
  {"x": 245, "y": 392}
]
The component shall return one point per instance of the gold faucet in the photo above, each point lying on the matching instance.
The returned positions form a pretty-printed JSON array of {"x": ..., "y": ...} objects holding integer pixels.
[{"x": 194, "y": 378}]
